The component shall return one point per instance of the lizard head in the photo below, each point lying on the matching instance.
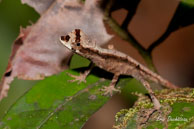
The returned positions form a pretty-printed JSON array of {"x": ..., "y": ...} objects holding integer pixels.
[{"x": 77, "y": 41}]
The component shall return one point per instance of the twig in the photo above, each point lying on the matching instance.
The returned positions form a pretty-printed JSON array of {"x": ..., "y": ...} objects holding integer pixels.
[
  {"x": 174, "y": 24},
  {"x": 127, "y": 20},
  {"x": 159, "y": 41}
]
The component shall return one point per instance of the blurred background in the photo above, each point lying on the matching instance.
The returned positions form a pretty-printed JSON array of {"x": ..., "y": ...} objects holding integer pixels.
[{"x": 174, "y": 58}]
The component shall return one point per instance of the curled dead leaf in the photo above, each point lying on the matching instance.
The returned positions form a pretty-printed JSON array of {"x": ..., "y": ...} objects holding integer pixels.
[{"x": 37, "y": 51}]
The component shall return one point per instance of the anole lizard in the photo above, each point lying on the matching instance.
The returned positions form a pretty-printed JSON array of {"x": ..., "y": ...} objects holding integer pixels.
[{"x": 112, "y": 61}]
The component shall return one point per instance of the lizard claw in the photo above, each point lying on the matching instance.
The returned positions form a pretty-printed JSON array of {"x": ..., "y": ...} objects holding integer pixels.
[
  {"x": 109, "y": 90},
  {"x": 80, "y": 78}
]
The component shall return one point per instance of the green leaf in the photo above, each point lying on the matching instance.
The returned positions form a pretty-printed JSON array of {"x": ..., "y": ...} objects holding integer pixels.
[
  {"x": 57, "y": 103},
  {"x": 188, "y": 2},
  {"x": 177, "y": 109},
  {"x": 134, "y": 86},
  {"x": 78, "y": 61}
]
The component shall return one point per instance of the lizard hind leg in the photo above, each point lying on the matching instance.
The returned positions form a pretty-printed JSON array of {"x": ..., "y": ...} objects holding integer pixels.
[
  {"x": 111, "y": 88},
  {"x": 157, "y": 105},
  {"x": 155, "y": 101}
]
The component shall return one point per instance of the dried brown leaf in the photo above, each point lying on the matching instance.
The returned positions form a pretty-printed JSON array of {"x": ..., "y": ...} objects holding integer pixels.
[
  {"x": 37, "y": 51},
  {"x": 39, "y": 5}
]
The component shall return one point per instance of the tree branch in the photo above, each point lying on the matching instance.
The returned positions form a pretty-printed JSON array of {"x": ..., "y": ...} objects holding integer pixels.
[
  {"x": 125, "y": 35},
  {"x": 159, "y": 41},
  {"x": 127, "y": 20}
]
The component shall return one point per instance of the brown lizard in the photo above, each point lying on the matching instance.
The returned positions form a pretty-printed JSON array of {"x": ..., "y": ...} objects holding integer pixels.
[{"x": 112, "y": 61}]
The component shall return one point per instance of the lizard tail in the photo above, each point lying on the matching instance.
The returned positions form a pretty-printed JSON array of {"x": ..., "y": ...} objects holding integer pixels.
[
  {"x": 164, "y": 82},
  {"x": 158, "y": 79}
]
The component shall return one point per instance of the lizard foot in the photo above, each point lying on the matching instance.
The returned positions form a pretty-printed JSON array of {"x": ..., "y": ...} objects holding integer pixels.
[
  {"x": 80, "y": 78},
  {"x": 109, "y": 90}
]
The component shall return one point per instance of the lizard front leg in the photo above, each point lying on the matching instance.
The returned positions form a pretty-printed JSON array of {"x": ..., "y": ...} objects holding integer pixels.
[
  {"x": 82, "y": 76},
  {"x": 111, "y": 88},
  {"x": 155, "y": 101}
]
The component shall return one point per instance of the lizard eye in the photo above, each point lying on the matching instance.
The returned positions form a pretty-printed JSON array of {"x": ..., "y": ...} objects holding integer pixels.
[{"x": 78, "y": 44}]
